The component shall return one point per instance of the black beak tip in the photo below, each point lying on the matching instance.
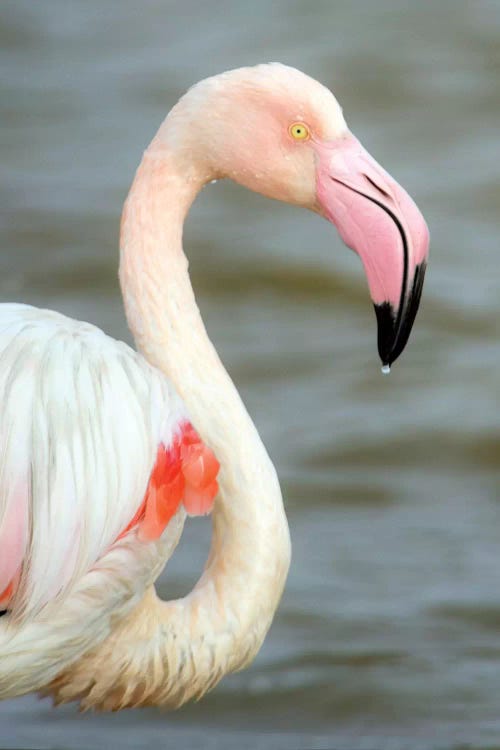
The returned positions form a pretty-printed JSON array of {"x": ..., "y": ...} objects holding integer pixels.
[
  {"x": 394, "y": 328},
  {"x": 386, "y": 324}
]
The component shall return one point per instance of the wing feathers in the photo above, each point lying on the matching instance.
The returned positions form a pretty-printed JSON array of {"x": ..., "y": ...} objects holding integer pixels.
[{"x": 81, "y": 417}]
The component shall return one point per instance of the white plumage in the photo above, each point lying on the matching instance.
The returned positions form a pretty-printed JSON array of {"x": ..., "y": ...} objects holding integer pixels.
[{"x": 75, "y": 405}]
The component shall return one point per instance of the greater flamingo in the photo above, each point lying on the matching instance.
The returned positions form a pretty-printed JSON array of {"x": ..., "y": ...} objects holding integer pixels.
[{"x": 103, "y": 451}]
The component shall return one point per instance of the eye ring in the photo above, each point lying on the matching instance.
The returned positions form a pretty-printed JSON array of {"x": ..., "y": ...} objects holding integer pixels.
[{"x": 299, "y": 131}]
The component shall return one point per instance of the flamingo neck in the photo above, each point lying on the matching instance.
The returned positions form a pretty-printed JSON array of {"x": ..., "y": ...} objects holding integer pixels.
[{"x": 221, "y": 624}]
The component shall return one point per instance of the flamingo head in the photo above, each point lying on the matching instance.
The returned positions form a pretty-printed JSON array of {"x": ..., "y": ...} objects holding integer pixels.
[{"x": 278, "y": 132}]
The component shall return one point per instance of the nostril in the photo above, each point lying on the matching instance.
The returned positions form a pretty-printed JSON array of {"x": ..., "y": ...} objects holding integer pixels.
[{"x": 374, "y": 184}]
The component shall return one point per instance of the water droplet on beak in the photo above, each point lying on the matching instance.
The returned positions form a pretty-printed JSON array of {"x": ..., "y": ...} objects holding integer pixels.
[{"x": 386, "y": 369}]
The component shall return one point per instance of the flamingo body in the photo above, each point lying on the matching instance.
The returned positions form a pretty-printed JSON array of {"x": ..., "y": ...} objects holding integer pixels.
[{"x": 77, "y": 405}]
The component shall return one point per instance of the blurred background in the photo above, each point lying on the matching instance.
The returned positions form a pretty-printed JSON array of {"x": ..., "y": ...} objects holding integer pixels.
[{"x": 388, "y": 635}]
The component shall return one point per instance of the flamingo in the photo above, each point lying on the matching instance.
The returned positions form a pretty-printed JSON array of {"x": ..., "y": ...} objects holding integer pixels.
[{"x": 105, "y": 451}]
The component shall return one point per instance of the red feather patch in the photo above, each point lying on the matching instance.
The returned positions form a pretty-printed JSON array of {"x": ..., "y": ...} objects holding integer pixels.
[
  {"x": 185, "y": 472},
  {"x": 7, "y": 594}
]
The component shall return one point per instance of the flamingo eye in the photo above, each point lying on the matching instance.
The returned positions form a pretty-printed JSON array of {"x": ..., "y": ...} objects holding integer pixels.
[{"x": 299, "y": 131}]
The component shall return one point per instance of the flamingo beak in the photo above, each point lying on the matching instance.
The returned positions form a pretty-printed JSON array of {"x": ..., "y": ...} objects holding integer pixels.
[{"x": 378, "y": 219}]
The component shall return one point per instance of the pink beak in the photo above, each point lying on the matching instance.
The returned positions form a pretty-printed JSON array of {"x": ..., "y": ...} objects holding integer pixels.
[{"x": 378, "y": 219}]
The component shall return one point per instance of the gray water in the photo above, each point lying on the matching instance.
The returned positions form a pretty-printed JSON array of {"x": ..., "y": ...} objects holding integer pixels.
[{"x": 388, "y": 635}]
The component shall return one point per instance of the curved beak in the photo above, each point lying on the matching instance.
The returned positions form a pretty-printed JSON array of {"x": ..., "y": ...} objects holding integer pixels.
[{"x": 378, "y": 219}]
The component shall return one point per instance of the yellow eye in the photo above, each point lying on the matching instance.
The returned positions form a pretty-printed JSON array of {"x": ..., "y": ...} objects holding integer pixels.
[{"x": 299, "y": 131}]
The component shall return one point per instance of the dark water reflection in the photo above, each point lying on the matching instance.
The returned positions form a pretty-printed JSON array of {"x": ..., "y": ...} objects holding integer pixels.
[{"x": 389, "y": 632}]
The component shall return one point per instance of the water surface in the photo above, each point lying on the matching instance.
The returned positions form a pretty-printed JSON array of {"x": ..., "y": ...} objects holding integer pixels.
[{"x": 388, "y": 635}]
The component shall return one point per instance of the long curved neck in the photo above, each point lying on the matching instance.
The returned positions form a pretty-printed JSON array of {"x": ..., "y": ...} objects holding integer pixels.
[{"x": 221, "y": 624}]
